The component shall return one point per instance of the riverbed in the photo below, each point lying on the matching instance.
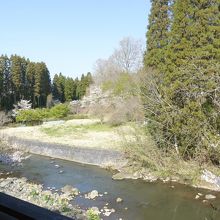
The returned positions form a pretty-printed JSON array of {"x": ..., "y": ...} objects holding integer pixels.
[{"x": 141, "y": 200}]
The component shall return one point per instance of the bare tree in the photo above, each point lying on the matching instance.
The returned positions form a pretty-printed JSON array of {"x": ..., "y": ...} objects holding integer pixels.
[
  {"x": 129, "y": 56},
  {"x": 105, "y": 70}
]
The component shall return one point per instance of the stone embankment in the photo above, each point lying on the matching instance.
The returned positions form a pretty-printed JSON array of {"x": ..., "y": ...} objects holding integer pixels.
[{"x": 93, "y": 156}]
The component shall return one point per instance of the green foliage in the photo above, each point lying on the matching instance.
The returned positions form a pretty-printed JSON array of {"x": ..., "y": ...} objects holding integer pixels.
[
  {"x": 194, "y": 34},
  {"x": 181, "y": 98},
  {"x": 34, "y": 193},
  {"x": 83, "y": 84},
  {"x": 6, "y": 95},
  {"x": 60, "y": 130},
  {"x": 157, "y": 34},
  {"x": 124, "y": 85},
  {"x": 67, "y": 89},
  {"x": 92, "y": 216},
  {"x": 22, "y": 79},
  {"x": 39, "y": 115},
  {"x": 184, "y": 116},
  {"x": 59, "y": 111},
  {"x": 31, "y": 115}
]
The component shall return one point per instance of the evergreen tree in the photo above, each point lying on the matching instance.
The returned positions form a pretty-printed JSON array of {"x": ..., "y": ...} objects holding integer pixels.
[
  {"x": 69, "y": 89},
  {"x": 58, "y": 87},
  {"x": 195, "y": 34},
  {"x": 42, "y": 87},
  {"x": 16, "y": 72},
  {"x": 55, "y": 89},
  {"x": 182, "y": 100},
  {"x": 157, "y": 34},
  {"x": 76, "y": 96},
  {"x": 6, "y": 96},
  {"x": 31, "y": 82}
]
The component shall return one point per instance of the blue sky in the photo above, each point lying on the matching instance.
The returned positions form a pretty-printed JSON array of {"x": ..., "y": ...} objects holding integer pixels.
[{"x": 69, "y": 35}]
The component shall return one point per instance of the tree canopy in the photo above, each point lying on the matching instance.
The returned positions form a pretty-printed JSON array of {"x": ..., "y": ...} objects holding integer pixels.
[{"x": 182, "y": 93}]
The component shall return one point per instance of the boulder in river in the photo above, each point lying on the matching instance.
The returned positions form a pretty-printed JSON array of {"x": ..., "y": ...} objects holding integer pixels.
[
  {"x": 92, "y": 195},
  {"x": 70, "y": 190},
  {"x": 118, "y": 200},
  {"x": 210, "y": 196},
  {"x": 108, "y": 212},
  {"x": 211, "y": 178}
]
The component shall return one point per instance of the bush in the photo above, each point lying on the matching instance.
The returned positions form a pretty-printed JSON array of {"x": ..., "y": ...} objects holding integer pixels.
[
  {"x": 126, "y": 110},
  {"x": 27, "y": 116},
  {"x": 59, "y": 111},
  {"x": 92, "y": 215},
  {"x": 39, "y": 115}
]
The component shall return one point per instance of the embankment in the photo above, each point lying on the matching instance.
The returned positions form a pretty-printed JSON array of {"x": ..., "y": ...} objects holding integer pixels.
[{"x": 94, "y": 156}]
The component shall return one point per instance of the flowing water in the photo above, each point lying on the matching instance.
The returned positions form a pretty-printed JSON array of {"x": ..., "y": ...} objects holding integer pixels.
[{"x": 141, "y": 200}]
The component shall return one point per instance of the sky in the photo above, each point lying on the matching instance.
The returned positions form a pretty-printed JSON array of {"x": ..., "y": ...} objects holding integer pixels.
[{"x": 69, "y": 35}]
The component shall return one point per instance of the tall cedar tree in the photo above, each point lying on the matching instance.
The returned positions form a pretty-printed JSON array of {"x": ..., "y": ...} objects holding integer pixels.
[
  {"x": 6, "y": 95},
  {"x": 195, "y": 34},
  {"x": 42, "y": 87},
  {"x": 30, "y": 71},
  {"x": 58, "y": 87},
  {"x": 157, "y": 34},
  {"x": 183, "y": 105}
]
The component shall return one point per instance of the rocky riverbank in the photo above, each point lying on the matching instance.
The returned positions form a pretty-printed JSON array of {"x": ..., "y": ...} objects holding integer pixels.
[
  {"x": 34, "y": 193},
  {"x": 205, "y": 178}
]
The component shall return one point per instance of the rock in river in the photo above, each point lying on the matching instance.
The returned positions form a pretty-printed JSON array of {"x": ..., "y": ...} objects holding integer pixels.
[
  {"x": 70, "y": 190},
  {"x": 210, "y": 196},
  {"x": 92, "y": 195},
  {"x": 118, "y": 200}
]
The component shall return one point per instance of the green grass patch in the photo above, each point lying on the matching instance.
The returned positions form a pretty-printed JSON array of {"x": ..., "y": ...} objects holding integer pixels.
[{"x": 65, "y": 130}]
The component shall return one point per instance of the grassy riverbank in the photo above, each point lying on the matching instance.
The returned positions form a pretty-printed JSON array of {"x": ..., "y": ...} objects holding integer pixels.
[
  {"x": 87, "y": 133},
  {"x": 146, "y": 161},
  {"x": 149, "y": 162}
]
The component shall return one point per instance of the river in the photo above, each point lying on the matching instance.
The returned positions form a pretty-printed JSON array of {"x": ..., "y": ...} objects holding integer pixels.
[{"x": 141, "y": 200}]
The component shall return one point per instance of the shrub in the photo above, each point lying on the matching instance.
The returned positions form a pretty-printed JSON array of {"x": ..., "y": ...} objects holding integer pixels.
[
  {"x": 59, "y": 111},
  {"x": 27, "y": 116},
  {"x": 92, "y": 215},
  {"x": 38, "y": 115},
  {"x": 126, "y": 110}
]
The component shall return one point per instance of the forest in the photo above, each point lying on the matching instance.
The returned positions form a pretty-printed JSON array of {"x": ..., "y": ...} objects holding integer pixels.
[{"x": 21, "y": 78}]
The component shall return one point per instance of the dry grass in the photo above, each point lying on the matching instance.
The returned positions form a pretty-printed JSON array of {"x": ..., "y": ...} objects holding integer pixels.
[
  {"x": 75, "y": 133},
  {"x": 141, "y": 149}
]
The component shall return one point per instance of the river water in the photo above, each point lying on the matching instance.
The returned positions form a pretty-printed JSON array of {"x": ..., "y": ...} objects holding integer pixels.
[{"x": 141, "y": 200}]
